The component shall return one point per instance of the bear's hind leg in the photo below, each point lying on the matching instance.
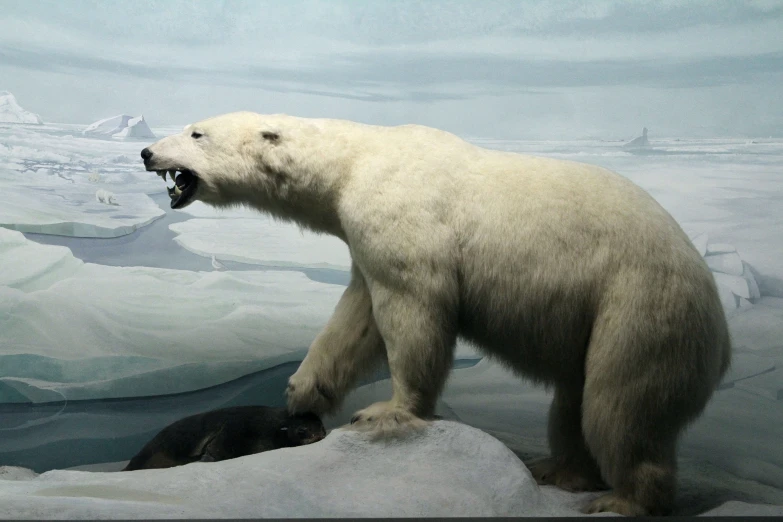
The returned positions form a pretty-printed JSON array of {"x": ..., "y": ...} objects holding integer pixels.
[
  {"x": 634, "y": 443},
  {"x": 571, "y": 466},
  {"x": 420, "y": 336}
]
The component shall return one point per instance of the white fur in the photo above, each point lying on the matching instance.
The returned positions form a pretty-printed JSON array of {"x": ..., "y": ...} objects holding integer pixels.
[{"x": 568, "y": 274}]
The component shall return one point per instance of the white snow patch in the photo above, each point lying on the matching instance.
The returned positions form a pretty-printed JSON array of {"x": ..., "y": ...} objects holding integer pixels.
[{"x": 12, "y": 112}]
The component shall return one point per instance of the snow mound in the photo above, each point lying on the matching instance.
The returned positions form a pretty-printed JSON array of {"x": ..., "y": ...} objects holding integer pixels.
[
  {"x": 737, "y": 285},
  {"x": 12, "y": 112},
  {"x": 449, "y": 470},
  {"x": 121, "y": 126}
]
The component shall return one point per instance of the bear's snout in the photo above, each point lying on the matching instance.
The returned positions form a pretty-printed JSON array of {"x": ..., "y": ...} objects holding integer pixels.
[{"x": 146, "y": 154}]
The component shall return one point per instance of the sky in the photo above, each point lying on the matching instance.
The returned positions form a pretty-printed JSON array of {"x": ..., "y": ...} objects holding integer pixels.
[{"x": 526, "y": 69}]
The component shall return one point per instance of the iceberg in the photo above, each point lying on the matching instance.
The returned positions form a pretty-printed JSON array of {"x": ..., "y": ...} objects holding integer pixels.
[
  {"x": 639, "y": 143},
  {"x": 737, "y": 286},
  {"x": 121, "y": 126},
  {"x": 11, "y": 112}
]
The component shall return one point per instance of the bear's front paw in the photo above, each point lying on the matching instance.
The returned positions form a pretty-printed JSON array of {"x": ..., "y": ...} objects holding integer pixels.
[
  {"x": 383, "y": 420},
  {"x": 307, "y": 394}
]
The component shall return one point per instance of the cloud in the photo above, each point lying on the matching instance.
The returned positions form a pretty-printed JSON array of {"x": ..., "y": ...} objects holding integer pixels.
[
  {"x": 385, "y": 76},
  {"x": 357, "y": 55}
]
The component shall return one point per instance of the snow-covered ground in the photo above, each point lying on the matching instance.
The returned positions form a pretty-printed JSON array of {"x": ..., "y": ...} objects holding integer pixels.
[{"x": 99, "y": 351}]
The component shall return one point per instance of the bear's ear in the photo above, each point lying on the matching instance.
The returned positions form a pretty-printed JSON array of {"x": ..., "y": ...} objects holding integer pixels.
[{"x": 270, "y": 136}]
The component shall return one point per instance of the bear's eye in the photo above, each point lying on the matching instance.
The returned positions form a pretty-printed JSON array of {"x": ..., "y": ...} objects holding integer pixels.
[{"x": 196, "y": 135}]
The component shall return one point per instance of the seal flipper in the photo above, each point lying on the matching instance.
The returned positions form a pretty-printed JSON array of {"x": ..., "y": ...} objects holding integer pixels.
[
  {"x": 202, "y": 453},
  {"x": 207, "y": 457}
]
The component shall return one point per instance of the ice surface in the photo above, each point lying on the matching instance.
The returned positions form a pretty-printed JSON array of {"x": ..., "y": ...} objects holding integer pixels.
[
  {"x": 729, "y": 263},
  {"x": 11, "y": 112},
  {"x": 263, "y": 241},
  {"x": 49, "y": 180},
  {"x": 202, "y": 327},
  {"x": 768, "y": 385},
  {"x": 121, "y": 126},
  {"x": 50, "y": 205},
  {"x": 745, "y": 365}
]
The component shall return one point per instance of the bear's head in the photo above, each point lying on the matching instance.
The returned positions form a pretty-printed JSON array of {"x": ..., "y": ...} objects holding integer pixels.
[{"x": 220, "y": 161}]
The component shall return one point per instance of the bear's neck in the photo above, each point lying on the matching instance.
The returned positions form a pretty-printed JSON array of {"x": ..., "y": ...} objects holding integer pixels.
[{"x": 306, "y": 193}]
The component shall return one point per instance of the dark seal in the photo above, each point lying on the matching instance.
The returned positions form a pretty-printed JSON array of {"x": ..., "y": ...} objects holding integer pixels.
[{"x": 226, "y": 434}]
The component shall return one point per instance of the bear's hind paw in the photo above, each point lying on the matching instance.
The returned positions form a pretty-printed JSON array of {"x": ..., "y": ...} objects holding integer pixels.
[
  {"x": 384, "y": 421},
  {"x": 614, "y": 503},
  {"x": 552, "y": 471}
]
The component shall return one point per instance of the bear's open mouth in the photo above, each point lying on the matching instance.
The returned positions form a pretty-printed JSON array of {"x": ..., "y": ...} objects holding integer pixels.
[{"x": 185, "y": 184}]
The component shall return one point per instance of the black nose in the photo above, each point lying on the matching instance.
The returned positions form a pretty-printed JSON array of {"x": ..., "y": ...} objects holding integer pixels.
[{"x": 146, "y": 154}]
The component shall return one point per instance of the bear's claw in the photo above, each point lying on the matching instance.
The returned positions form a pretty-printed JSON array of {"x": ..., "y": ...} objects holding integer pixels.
[
  {"x": 382, "y": 421},
  {"x": 309, "y": 395}
]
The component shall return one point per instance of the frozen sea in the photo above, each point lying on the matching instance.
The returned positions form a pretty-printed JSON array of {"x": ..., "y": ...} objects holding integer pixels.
[{"x": 105, "y": 335}]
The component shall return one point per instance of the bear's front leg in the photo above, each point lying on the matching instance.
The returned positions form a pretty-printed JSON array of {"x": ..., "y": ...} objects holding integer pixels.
[
  {"x": 348, "y": 346},
  {"x": 419, "y": 332}
]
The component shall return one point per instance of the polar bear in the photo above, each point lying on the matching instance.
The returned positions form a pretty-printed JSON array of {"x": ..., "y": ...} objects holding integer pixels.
[
  {"x": 105, "y": 197},
  {"x": 568, "y": 274}
]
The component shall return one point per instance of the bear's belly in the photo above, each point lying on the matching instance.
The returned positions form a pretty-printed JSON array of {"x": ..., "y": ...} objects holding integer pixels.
[{"x": 540, "y": 328}]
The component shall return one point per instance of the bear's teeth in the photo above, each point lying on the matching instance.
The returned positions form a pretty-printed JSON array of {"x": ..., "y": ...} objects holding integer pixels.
[
  {"x": 177, "y": 191},
  {"x": 173, "y": 174},
  {"x": 162, "y": 174}
]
